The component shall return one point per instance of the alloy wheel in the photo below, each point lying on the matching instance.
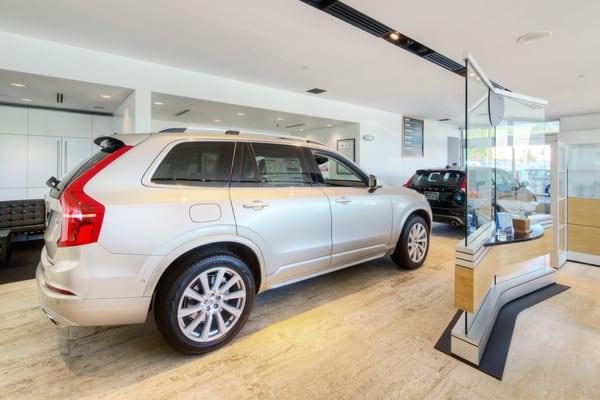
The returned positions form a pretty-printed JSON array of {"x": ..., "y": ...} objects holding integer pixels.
[
  {"x": 211, "y": 304},
  {"x": 417, "y": 242}
]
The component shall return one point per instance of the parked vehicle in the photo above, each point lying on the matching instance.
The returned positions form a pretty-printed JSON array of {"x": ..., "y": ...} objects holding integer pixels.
[
  {"x": 446, "y": 191},
  {"x": 195, "y": 225}
]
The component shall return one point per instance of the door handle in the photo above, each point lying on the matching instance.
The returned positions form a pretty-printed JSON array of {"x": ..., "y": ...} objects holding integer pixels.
[
  {"x": 256, "y": 205},
  {"x": 343, "y": 200}
]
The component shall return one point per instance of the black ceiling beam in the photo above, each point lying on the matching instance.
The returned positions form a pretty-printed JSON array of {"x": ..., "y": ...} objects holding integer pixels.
[{"x": 370, "y": 25}]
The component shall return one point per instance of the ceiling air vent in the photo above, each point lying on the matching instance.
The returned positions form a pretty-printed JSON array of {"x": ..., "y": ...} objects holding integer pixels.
[
  {"x": 356, "y": 18},
  {"x": 443, "y": 119},
  {"x": 316, "y": 91},
  {"x": 60, "y": 98},
  {"x": 443, "y": 61},
  {"x": 182, "y": 112}
]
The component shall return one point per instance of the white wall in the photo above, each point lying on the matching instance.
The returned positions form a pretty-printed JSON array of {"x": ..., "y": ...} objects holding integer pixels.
[
  {"x": 330, "y": 136},
  {"x": 124, "y": 116},
  {"x": 580, "y": 129},
  {"x": 381, "y": 157}
]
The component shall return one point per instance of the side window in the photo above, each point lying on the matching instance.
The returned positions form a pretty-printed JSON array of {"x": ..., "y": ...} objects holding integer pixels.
[
  {"x": 196, "y": 163},
  {"x": 280, "y": 165},
  {"x": 336, "y": 172}
]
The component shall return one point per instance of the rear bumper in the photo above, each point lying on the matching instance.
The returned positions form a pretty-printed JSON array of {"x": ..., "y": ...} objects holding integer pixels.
[
  {"x": 71, "y": 310},
  {"x": 449, "y": 216}
]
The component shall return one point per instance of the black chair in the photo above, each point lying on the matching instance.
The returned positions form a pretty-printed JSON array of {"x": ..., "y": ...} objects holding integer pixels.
[{"x": 19, "y": 217}]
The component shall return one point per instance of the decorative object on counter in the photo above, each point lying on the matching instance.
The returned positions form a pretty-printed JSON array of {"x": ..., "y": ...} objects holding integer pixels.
[{"x": 522, "y": 225}]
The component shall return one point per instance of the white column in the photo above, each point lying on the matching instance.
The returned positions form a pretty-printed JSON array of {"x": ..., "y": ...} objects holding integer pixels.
[{"x": 134, "y": 115}]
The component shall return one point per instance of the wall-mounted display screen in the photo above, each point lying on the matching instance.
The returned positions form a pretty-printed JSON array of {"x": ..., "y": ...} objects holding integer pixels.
[{"x": 412, "y": 137}]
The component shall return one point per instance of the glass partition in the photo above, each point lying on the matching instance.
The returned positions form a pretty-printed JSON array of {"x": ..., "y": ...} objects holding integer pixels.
[{"x": 507, "y": 159}]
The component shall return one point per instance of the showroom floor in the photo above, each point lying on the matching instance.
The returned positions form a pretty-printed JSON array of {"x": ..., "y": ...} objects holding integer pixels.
[{"x": 364, "y": 332}]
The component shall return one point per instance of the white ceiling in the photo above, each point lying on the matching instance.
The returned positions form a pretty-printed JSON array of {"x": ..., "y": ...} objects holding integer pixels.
[
  {"x": 204, "y": 112},
  {"x": 42, "y": 90},
  {"x": 289, "y": 45}
]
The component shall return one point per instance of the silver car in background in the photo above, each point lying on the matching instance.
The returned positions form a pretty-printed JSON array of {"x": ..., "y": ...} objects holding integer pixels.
[{"x": 194, "y": 225}]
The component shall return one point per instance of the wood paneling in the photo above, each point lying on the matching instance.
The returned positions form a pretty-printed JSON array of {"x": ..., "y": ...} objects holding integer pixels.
[
  {"x": 471, "y": 285},
  {"x": 583, "y": 239},
  {"x": 584, "y": 212}
]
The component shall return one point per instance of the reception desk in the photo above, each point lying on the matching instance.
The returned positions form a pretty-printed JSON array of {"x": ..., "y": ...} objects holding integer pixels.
[{"x": 492, "y": 271}]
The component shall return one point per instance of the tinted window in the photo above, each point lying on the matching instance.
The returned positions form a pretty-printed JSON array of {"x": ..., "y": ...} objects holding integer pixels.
[
  {"x": 196, "y": 163},
  {"x": 280, "y": 164},
  {"x": 436, "y": 178},
  {"x": 77, "y": 172},
  {"x": 336, "y": 172},
  {"x": 244, "y": 171}
]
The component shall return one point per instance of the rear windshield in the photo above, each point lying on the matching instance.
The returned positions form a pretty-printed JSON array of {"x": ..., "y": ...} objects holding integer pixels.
[
  {"x": 428, "y": 179},
  {"x": 77, "y": 172}
]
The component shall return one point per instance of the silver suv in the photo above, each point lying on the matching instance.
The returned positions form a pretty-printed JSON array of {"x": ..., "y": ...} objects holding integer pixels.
[{"x": 194, "y": 225}]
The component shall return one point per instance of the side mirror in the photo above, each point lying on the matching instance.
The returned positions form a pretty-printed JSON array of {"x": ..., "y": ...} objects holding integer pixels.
[{"x": 373, "y": 183}]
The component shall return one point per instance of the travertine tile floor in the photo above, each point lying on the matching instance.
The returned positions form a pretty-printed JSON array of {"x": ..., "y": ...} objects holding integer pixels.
[{"x": 365, "y": 332}]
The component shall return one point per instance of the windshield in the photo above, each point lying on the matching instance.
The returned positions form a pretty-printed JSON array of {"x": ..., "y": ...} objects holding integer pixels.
[{"x": 426, "y": 179}]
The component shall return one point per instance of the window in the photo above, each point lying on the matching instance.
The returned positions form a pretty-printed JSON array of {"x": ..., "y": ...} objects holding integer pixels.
[
  {"x": 336, "y": 172},
  {"x": 425, "y": 179},
  {"x": 196, "y": 163},
  {"x": 280, "y": 164}
]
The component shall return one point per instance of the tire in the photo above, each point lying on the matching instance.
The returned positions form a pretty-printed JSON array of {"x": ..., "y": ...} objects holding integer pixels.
[
  {"x": 403, "y": 256},
  {"x": 196, "y": 316}
]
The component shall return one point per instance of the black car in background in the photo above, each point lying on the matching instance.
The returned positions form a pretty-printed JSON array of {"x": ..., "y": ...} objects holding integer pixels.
[{"x": 445, "y": 189}]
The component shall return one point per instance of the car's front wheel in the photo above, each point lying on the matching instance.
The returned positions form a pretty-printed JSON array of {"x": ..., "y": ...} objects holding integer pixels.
[
  {"x": 413, "y": 245},
  {"x": 203, "y": 304}
]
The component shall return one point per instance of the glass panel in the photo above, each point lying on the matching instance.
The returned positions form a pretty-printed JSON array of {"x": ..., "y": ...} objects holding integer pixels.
[
  {"x": 479, "y": 163},
  {"x": 584, "y": 171},
  {"x": 280, "y": 165}
]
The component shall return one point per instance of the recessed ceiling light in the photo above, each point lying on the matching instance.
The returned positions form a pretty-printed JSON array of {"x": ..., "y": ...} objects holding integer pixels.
[
  {"x": 17, "y": 84},
  {"x": 532, "y": 37},
  {"x": 217, "y": 121},
  {"x": 106, "y": 96},
  {"x": 329, "y": 125},
  {"x": 316, "y": 91},
  {"x": 301, "y": 129},
  {"x": 241, "y": 114},
  {"x": 279, "y": 119},
  {"x": 27, "y": 100},
  {"x": 394, "y": 36},
  {"x": 158, "y": 103}
]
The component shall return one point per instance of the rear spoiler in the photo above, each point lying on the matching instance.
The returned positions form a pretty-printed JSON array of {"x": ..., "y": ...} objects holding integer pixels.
[{"x": 114, "y": 142}]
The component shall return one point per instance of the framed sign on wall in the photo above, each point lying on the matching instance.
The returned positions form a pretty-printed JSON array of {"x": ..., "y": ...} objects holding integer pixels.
[
  {"x": 348, "y": 149},
  {"x": 412, "y": 137}
]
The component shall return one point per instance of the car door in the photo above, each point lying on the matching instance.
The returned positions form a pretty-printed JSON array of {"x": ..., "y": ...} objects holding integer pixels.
[
  {"x": 278, "y": 207},
  {"x": 361, "y": 219}
]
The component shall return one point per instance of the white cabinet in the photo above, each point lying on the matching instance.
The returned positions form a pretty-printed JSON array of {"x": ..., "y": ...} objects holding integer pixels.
[
  {"x": 44, "y": 160},
  {"x": 13, "y": 120},
  {"x": 13, "y": 161},
  {"x": 74, "y": 151},
  {"x": 102, "y": 125},
  {"x": 36, "y": 144},
  {"x": 13, "y": 194},
  {"x": 59, "y": 123}
]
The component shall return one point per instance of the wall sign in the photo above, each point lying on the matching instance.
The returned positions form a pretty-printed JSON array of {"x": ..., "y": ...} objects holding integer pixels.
[
  {"x": 347, "y": 148},
  {"x": 412, "y": 137}
]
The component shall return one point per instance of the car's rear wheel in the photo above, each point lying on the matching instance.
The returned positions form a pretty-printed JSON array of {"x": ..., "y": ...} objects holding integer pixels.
[
  {"x": 413, "y": 245},
  {"x": 203, "y": 304}
]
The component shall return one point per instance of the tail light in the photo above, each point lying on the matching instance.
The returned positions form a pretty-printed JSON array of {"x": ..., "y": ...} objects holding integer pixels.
[
  {"x": 82, "y": 215},
  {"x": 409, "y": 182},
  {"x": 463, "y": 184}
]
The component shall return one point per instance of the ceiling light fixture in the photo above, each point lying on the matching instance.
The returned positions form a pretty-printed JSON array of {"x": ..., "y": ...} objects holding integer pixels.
[
  {"x": 329, "y": 125},
  {"x": 17, "y": 84},
  {"x": 279, "y": 119},
  {"x": 241, "y": 114},
  {"x": 533, "y": 37},
  {"x": 27, "y": 100},
  {"x": 217, "y": 121},
  {"x": 106, "y": 96},
  {"x": 158, "y": 103},
  {"x": 301, "y": 129},
  {"x": 316, "y": 91},
  {"x": 394, "y": 36}
]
